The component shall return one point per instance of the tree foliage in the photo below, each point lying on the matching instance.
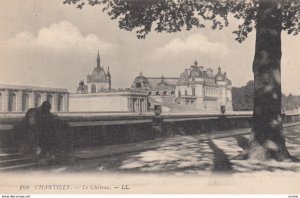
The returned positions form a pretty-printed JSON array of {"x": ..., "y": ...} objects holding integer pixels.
[
  {"x": 268, "y": 17},
  {"x": 288, "y": 102},
  {"x": 242, "y": 98},
  {"x": 171, "y": 16}
]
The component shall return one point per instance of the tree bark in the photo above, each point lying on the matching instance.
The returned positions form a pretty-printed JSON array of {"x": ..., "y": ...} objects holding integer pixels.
[{"x": 267, "y": 139}]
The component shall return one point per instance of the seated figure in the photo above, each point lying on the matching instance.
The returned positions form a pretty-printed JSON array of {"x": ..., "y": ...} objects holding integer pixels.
[{"x": 40, "y": 131}]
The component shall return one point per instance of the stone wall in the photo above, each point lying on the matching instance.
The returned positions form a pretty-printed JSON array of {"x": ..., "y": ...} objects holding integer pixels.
[
  {"x": 114, "y": 101},
  {"x": 86, "y": 131},
  {"x": 16, "y": 98}
]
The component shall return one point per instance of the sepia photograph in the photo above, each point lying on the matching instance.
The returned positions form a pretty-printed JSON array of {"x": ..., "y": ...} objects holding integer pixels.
[{"x": 149, "y": 97}]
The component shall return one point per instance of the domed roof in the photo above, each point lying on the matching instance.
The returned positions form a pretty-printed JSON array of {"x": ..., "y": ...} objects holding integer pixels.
[
  {"x": 220, "y": 76},
  {"x": 162, "y": 82},
  {"x": 98, "y": 75},
  {"x": 196, "y": 73},
  {"x": 141, "y": 78}
]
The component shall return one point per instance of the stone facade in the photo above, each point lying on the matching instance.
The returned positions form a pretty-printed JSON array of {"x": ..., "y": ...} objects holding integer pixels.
[
  {"x": 204, "y": 90},
  {"x": 155, "y": 86},
  {"x": 109, "y": 102},
  {"x": 14, "y": 98},
  {"x": 194, "y": 89}
]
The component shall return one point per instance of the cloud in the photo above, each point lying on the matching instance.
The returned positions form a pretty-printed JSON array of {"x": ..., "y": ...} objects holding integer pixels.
[
  {"x": 48, "y": 56},
  {"x": 59, "y": 36},
  {"x": 194, "y": 43}
]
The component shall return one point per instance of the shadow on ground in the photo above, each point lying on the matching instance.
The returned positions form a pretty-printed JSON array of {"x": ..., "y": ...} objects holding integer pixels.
[{"x": 189, "y": 155}]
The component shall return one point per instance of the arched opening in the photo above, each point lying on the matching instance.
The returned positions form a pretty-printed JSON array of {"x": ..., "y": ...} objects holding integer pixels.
[
  {"x": 157, "y": 93},
  {"x": 164, "y": 93},
  {"x": 93, "y": 88},
  {"x": 25, "y": 102},
  {"x": 134, "y": 104},
  {"x": 38, "y": 100},
  {"x": 138, "y": 85},
  {"x": 148, "y": 105},
  {"x": 12, "y": 105},
  {"x": 149, "y": 93},
  {"x": 172, "y": 93},
  {"x": 49, "y": 99},
  {"x": 141, "y": 105},
  {"x": 60, "y": 103}
]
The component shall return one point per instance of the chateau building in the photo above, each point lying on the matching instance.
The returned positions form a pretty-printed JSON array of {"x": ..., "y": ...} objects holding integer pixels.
[
  {"x": 203, "y": 89},
  {"x": 14, "y": 98},
  {"x": 155, "y": 86},
  {"x": 195, "y": 89}
]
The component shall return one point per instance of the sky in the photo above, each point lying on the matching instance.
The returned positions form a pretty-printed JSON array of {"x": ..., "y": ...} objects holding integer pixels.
[{"x": 49, "y": 44}]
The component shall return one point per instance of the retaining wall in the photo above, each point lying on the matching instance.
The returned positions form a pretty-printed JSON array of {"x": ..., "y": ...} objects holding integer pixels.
[{"x": 96, "y": 129}]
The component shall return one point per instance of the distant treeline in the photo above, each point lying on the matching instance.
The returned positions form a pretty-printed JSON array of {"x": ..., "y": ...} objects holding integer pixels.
[{"x": 242, "y": 98}]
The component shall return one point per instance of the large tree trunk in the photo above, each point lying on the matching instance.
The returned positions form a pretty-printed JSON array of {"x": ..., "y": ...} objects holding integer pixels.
[{"x": 267, "y": 139}]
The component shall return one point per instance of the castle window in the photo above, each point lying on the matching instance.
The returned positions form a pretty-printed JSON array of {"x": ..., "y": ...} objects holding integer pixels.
[
  {"x": 93, "y": 88},
  {"x": 49, "y": 99},
  {"x": 134, "y": 105},
  {"x": 60, "y": 103},
  {"x": 179, "y": 93},
  {"x": 157, "y": 93},
  {"x": 12, "y": 106},
  {"x": 172, "y": 93},
  {"x": 148, "y": 105},
  {"x": 193, "y": 91},
  {"x": 138, "y": 85},
  {"x": 149, "y": 93},
  {"x": 25, "y": 102},
  {"x": 165, "y": 93}
]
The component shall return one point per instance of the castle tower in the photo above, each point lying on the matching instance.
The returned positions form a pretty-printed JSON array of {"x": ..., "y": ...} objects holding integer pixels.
[
  {"x": 98, "y": 80},
  {"x": 98, "y": 61}
]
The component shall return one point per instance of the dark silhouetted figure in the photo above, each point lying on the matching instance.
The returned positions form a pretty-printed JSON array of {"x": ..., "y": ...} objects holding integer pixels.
[
  {"x": 157, "y": 122},
  {"x": 41, "y": 135},
  {"x": 223, "y": 109},
  {"x": 223, "y": 121}
]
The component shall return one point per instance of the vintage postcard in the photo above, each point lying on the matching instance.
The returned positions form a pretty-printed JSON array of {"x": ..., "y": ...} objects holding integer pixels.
[{"x": 149, "y": 97}]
